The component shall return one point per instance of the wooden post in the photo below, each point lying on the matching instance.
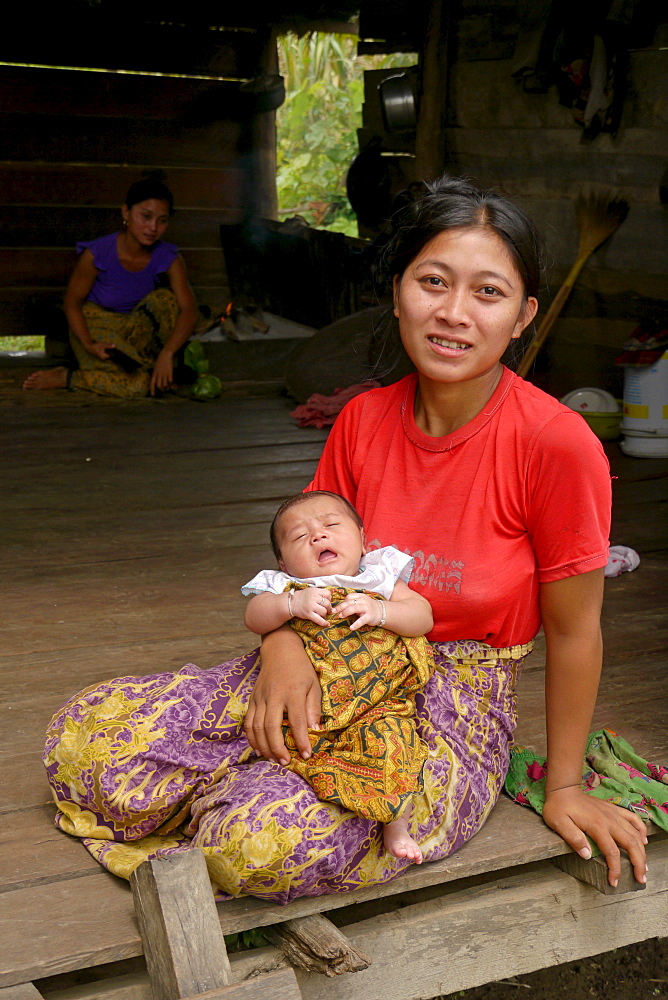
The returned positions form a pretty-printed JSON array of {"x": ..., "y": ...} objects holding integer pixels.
[
  {"x": 429, "y": 135},
  {"x": 264, "y": 143},
  {"x": 178, "y": 922}
]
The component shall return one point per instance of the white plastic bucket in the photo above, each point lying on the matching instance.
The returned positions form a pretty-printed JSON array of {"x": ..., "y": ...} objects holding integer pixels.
[{"x": 645, "y": 412}]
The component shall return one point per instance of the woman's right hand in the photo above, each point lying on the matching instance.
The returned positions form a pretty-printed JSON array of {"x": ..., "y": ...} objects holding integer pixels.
[
  {"x": 99, "y": 350},
  {"x": 287, "y": 685}
]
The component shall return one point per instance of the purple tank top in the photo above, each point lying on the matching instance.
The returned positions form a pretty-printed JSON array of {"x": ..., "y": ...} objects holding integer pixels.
[{"x": 120, "y": 290}]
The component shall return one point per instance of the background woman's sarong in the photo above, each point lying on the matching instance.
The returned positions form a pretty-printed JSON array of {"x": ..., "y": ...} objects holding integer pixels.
[
  {"x": 143, "y": 766},
  {"x": 141, "y": 334},
  {"x": 367, "y": 755}
]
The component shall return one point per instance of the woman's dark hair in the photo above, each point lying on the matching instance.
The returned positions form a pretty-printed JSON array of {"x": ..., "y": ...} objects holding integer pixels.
[
  {"x": 302, "y": 498},
  {"x": 455, "y": 203},
  {"x": 147, "y": 189}
]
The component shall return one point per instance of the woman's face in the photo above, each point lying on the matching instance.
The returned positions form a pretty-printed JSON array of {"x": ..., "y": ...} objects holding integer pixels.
[
  {"x": 459, "y": 304},
  {"x": 146, "y": 220}
]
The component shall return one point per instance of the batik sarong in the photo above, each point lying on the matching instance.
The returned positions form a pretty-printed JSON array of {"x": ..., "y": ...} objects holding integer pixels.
[
  {"x": 144, "y": 766},
  {"x": 141, "y": 334},
  {"x": 367, "y": 755}
]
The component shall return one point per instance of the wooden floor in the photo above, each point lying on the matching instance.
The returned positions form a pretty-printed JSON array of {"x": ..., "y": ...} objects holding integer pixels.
[{"x": 128, "y": 530}]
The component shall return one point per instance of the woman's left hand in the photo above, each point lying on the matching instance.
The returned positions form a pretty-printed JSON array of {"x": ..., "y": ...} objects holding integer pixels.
[
  {"x": 572, "y": 814},
  {"x": 369, "y": 611},
  {"x": 162, "y": 377}
]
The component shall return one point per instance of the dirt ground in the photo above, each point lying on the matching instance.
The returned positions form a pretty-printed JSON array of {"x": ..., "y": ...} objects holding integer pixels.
[{"x": 638, "y": 972}]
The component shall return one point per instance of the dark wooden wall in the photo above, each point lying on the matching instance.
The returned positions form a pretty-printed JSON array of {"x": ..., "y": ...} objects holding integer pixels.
[
  {"x": 528, "y": 146},
  {"x": 72, "y": 141}
]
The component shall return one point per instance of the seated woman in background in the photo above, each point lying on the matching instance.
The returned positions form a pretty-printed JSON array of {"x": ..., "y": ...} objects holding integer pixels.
[{"x": 125, "y": 329}]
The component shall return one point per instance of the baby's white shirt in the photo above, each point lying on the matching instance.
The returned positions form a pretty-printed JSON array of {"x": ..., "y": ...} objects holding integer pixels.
[{"x": 379, "y": 571}]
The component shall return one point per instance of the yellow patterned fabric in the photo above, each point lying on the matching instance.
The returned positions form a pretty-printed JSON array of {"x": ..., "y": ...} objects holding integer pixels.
[
  {"x": 367, "y": 755},
  {"x": 141, "y": 334}
]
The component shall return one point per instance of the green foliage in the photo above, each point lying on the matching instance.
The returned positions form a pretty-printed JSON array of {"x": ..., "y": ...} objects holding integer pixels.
[
  {"x": 21, "y": 344},
  {"x": 317, "y": 126},
  {"x": 245, "y": 940}
]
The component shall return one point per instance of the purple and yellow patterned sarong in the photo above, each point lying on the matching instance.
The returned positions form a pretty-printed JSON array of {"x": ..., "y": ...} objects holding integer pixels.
[
  {"x": 145, "y": 766},
  {"x": 367, "y": 755}
]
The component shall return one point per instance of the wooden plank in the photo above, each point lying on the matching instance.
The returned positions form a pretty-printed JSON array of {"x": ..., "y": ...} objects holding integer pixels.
[
  {"x": 46, "y": 929},
  {"x": 595, "y": 873},
  {"x": 108, "y": 95},
  {"x": 183, "y": 943},
  {"x": 33, "y": 851},
  {"x": 105, "y": 184},
  {"x": 117, "y": 140},
  {"x": 515, "y": 143},
  {"x": 279, "y": 985},
  {"x": 34, "y": 226},
  {"x": 23, "y": 991},
  {"x": 486, "y": 92},
  {"x": 52, "y": 266},
  {"x": 505, "y": 928},
  {"x": 173, "y": 48}
]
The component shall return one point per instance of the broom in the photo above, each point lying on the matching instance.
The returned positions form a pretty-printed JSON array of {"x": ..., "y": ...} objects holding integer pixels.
[{"x": 598, "y": 215}]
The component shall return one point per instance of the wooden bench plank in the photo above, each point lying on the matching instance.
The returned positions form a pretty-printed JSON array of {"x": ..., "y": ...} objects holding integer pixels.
[
  {"x": 512, "y": 926},
  {"x": 278, "y": 985},
  {"x": 23, "y": 991}
]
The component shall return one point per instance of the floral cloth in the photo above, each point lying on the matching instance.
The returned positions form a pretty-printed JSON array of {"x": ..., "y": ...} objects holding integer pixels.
[
  {"x": 612, "y": 770},
  {"x": 144, "y": 766},
  {"x": 141, "y": 334}
]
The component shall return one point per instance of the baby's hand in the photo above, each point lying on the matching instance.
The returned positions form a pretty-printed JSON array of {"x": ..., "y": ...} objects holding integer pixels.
[
  {"x": 312, "y": 603},
  {"x": 368, "y": 610}
]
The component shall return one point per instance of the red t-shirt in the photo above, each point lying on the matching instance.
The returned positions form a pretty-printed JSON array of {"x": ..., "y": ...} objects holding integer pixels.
[{"x": 518, "y": 496}]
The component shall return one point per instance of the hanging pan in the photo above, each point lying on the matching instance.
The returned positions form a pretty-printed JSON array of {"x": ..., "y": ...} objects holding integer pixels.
[{"x": 398, "y": 103}]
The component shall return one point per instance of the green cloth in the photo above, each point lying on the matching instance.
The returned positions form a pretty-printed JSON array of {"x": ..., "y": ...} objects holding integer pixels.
[{"x": 611, "y": 770}]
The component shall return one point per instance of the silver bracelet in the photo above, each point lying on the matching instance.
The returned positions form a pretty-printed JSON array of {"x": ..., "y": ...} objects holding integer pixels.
[
  {"x": 290, "y": 593},
  {"x": 383, "y": 615}
]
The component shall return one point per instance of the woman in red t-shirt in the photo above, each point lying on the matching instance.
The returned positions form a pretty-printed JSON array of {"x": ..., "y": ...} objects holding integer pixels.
[{"x": 502, "y": 497}]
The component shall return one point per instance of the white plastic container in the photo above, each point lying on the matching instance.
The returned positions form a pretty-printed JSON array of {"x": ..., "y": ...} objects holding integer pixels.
[{"x": 645, "y": 418}]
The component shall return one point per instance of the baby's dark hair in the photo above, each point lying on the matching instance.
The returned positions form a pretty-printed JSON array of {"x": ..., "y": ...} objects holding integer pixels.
[
  {"x": 147, "y": 189},
  {"x": 302, "y": 498}
]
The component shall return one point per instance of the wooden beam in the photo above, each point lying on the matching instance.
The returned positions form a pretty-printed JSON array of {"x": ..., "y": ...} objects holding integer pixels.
[
  {"x": 315, "y": 944},
  {"x": 595, "y": 873},
  {"x": 183, "y": 943},
  {"x": 23, "y": 991},
  {"x": 429, "y": 150},
  {"x": 278, "y": 985}
]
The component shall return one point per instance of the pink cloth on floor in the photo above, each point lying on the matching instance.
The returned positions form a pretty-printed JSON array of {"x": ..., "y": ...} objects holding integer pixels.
[{"x": 322, "y": 411}]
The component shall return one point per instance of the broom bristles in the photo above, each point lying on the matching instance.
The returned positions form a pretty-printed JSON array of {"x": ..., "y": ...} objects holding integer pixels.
[{"x": 598, "y": 214}]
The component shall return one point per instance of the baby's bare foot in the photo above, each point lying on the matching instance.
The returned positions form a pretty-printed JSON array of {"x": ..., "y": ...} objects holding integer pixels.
[
  {"x": 399, "y": 843},
  {"x": 49, "y": 378}
]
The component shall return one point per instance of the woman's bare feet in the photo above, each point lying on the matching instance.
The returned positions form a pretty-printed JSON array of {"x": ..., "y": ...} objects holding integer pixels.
[
  {"x": 49, "y": 378},
  {"x": 398, "y": 841}
]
